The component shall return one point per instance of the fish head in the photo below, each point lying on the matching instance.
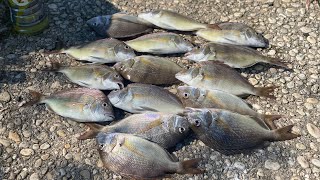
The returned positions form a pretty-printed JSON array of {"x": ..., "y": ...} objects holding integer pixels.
[
  {"x": 100, "y": 24},
  {"x": 106, "y": 141},
  {"x": 256, "y": 38},
  {"x": 180, "y": 125},
  {"x": 102, "y": 110},
  {"x": 117, "y": 96},
  {"x": 188, "y": 92},
  {"x": 196, "y": 54},
  {"x": 182, "y": 43},
  {"x": 123, "y": 51},
  {"x": 113, "y": 81},
  {"x": 188, "y": 75},
  {"x": 124, "y": 66},
  {"x": 200, "y": 118}
]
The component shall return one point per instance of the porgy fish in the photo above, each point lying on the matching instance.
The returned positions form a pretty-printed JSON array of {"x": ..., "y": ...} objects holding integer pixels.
[
  {"x": 136, "y": 158},
  {"x": 201, "y": 98},
  {"x": 212, "y": 75},
  {"x": 91, "y": 76},
  {"x": 101, "y": 51},
  {"x": 172, "y": 21},
  {"x": 164, "y": 129},
  {"x": 139, "y": 98},
  {"x": 119, "y": 25},
  {"x": 232, "y": 133},
  {"x": 80, "y": 104},
  {"x": 232, "y": 55},
  {"x": 245, "y": 37},
  {"x": 160, "y": 43},
  {"x": 149, "y": 70}
]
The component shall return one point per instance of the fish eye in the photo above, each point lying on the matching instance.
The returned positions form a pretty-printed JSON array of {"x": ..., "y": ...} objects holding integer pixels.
[
  {"x": 104, "y": 104},
  {"x": 101, "y": 146},
  {"x": 197, "y": 47},
  {"x": 122, "y": 67},
  {"x": 126, "y": 47},
  {"x": 186, "y": 95},
  {"x": 197, "y": 123},
  {"x": 181, "y": 129},
  {"x": 116, "y": 76}
]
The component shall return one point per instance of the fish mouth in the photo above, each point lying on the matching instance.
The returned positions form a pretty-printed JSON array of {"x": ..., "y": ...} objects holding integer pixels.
[
  {"x": 109, "y": 117},
  {"x": 120, "y": 85}
]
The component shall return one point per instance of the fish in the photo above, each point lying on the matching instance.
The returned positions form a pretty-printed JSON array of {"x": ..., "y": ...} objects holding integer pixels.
[
  {"x": 236, "y": 35},
  {"x": 170, "y": 20},
  {"x": 101, "y": 51},
  {"x": 78, "y": 104},
  {"x": 119, "y": 25},
  {"x": 139, "y": 98},
  {"x": 136, "y": 158},
  {"x": 233, "y": 55},
  {"x": 232, "y": 133},
  {"x": 91, "y": 76},
  {"x": 149, "y": 70},
  {"x": 164, "y": 129},
  {"x": 214, "y": 75},
  {"x": 160, "y": 43},
  {"x": 200, "y": 98}
]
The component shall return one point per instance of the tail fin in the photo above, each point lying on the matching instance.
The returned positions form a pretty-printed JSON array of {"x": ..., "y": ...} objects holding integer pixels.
[
  {"x": 269, "y": 120},
  {"x": 278, "y": 62},
  {"x": 284, "y": 133},
  {"x": 55, "y": 67},
  {"x": 94, "y": 129},
  {"x": 266, "y": 91},
  {"x": 36, "y": 98},
  {"x": 214, "y": 26},
  {"x": 190, "y": 167}
]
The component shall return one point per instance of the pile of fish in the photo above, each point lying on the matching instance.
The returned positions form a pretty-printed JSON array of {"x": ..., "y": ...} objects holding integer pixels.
[{"x": 210, "y": 104}]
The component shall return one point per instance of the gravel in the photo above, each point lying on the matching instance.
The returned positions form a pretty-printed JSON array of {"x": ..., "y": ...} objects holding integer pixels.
[{"x": 38, "y": 144}]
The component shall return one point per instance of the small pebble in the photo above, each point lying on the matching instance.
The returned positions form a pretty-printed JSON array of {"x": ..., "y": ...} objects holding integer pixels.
[
  {"x": 14, "y": 136},
  {"x": 272, "y": 165},
  {"x": 303, "y": 162},
  {"x": 5, "y": 96},
  {"x": 26, "y": 152},
  {"x": 315, "y": 162},
  {"x": 313, "y": 130}
]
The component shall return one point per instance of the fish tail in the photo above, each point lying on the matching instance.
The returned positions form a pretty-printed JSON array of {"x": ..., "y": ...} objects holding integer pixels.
[
  {"x": 36, "y": 98},
  {"x": 92, "y": 132},
  {"x": 284, "y": 133},
  {"x": 266, "y": 91},
  {"x": 278, "y": 62},
  {"x": 269, "y": 120},
  {"x": 214, "y": 26},
  {"x": 190, "y": 167}
]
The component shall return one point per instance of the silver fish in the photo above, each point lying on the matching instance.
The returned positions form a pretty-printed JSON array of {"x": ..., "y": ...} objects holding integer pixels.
[
  {"x": 160, "y": 43},
  {"x": 101, "y": 51},
  {"x": 232, "y": 55},
  {"x": 136, "y": 158},
  {"x": 80, "y": 104},
  {"x": 232, "y": 133},
  {"x": 246, "y": 37},
  {"x": 139, "y": 98},
  {"x": 212, "y": 75},
  {"x": 149, "y": 70},
  {"x": 91, "y": 76},
  {"x": 164, "y": 129},
  {"x": 201, "y": 98},
  {"x": 119, "y": 25},
  {"x": 172, "y": 21}
]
